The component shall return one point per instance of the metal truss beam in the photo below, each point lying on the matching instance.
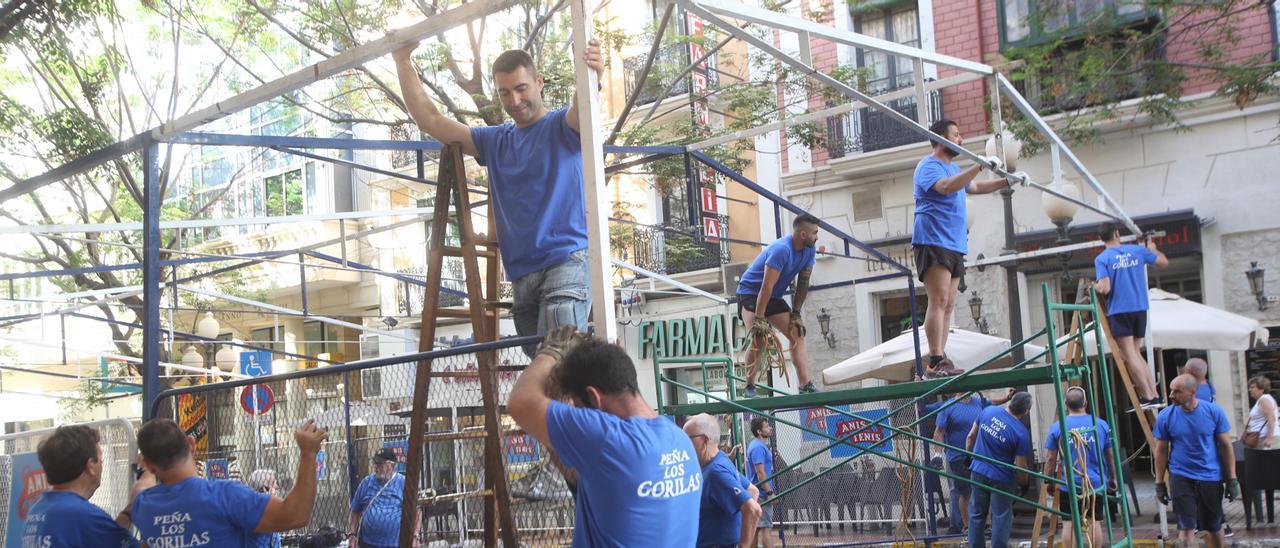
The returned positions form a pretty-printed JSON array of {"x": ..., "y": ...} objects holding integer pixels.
[
  {"x": 69, "y": 376},
  {"x": 192, "y": 337},
  {"x": 298, "y": 79},
  {"x": 663, "y": 278},
  {"x": 321, "y": 319},
  {"x": 214, "y": 223}
]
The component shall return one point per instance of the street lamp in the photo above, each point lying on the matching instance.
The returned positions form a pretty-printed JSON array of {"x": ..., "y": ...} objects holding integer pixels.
[
  {"x": 1257, "y": 284},
  {"x": 824, "y": 324},
  {"x": 975, "y": 309},
  {"x": 1061, "y": 212},
  {"x": 208, "y": 326}
]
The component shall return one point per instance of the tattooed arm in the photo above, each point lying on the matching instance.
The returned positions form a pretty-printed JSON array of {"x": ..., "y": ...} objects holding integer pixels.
[{"x": 802, "y": 289}]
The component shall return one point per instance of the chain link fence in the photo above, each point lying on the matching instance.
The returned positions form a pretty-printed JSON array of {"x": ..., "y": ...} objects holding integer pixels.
[
  {"x": 366, "y": 407},
  {"x": 18, "y": 462}
]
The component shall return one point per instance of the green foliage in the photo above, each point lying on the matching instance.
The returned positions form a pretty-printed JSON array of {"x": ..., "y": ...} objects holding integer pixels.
[{"x": 79, "y": 405}]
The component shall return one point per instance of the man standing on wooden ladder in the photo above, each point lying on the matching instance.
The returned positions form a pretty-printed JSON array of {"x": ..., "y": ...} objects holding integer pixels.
[
  {"x": 535, "y": 181},
  {"x": 1122, "y": 277}
]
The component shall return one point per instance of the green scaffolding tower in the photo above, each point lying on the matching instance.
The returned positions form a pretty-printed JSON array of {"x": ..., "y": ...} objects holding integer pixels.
[{"x": 1088, "y": 373}]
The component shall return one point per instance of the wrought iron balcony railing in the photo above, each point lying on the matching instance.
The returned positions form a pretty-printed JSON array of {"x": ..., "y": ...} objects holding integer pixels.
[
  {"x": 669, "y": 60},
  {"x": 669, "y": 250},
  {"x": 867, "y": 129}
]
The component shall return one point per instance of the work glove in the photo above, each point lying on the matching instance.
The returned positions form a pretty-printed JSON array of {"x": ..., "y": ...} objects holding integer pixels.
[
  {"x": 1018, "y": 178},
  {"x": 1162, "y": 493},
  {"x": 1233, "y": 489},
  {"x": 994, "y": 163},
  {"x": 760, "y": 328},
  {"x": 937, "y": 462},
  {"x": 797, "y": 323},
  {"x": 559, "y": 341}
]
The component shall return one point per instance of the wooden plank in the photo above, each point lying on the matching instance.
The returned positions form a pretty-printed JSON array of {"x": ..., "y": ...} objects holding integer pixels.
[{"x": 1144, "y": 415}]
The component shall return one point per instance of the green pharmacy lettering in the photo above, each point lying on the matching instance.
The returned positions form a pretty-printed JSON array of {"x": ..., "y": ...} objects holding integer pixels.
[{"x": 700, "y": 336}]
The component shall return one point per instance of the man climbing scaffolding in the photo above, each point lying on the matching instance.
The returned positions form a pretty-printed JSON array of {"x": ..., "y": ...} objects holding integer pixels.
[{"x": 761, "y": 289}]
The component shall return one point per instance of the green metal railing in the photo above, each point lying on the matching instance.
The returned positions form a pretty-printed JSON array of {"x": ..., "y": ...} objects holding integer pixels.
[{"x": 966, "y": 384}]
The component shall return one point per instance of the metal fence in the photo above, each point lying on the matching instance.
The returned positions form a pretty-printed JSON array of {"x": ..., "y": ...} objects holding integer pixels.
[
  {"x": 365, "y": 406},
  {"x": 17, "y": 453}
]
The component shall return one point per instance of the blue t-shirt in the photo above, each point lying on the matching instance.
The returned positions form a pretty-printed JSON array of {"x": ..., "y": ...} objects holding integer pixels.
[
  {"x": 1206, "y": 392},
  {"x": 1193, "y": 448},
  {"x": 1002, "y": 437},
  {"x": 535, "y": 182},
  {"x": 197, "y": 511},
  {"x": 1094, "y": 455},
  {"x": 266, "y": 541},
  {"x": 780, "y": 256},
  {"x": 63, "y": 519},
  {"x": 940, "y": 218},
  {"x": 379, "y": 504},
  {"x": 724, "y": 491},
  {"x": 957, "y": 420},
  {"x": 1124, "y": 264},
  {"x": 639, "y": 479},
  {"x": 758, "y": 452}
]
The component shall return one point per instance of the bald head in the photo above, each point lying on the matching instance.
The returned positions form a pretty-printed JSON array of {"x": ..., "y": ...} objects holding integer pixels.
[
  {"x": 1197, "y": 368},
  {"x": 1185, "y": 381},
  {"x": 703, "y": 424}
]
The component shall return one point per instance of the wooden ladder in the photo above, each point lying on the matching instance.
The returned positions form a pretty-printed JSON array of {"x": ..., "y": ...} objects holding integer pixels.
[
  {"x": 451, "y": 186},
  {"x": 1075, "y": 354}
]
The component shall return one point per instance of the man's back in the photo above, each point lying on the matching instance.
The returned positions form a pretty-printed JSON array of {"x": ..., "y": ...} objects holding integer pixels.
[
  {"x": 724, "y": 491},
  {"x": 640, "y": 483},
  {"x": 195, "y": 512},
  {"x": 1002, "y": 437},
  {"x": 63, "y": 519},
  {"x": 1206, "y": 392},
  {"x": 957, "y": 419},
  {"x": 1096, "y": 440},
  {"x": 1124, "y": 264}
]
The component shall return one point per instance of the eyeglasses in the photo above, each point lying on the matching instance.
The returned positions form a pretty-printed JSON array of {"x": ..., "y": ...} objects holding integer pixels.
[{"x": 695, "y": 436}]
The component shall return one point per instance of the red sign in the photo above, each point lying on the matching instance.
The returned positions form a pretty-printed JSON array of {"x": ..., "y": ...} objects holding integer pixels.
[
  {"x": 699, "y": 82},
  {"x": 709, "y": 201},
  {"x": 711, "y": 228},
  {"x": 257, "y": 399}
]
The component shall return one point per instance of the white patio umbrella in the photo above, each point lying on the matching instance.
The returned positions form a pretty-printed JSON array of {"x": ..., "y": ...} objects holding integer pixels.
[
  {"x": 1179, "y": 323},
  {"x": 894, "y": 360},
  {"x": 362, "y": 414}
]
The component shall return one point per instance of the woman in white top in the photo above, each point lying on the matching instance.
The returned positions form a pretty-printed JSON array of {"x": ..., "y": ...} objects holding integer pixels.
[{"x": 1263, "y": 417}]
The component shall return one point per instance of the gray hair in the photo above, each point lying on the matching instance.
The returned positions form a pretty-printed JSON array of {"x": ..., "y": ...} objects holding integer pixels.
[
  {"x": 704, "y": 424},
  {"x": 260, "y": 479},
  {"x": 1197, "y": 367},
  {"x": 1020, "y": 403}
]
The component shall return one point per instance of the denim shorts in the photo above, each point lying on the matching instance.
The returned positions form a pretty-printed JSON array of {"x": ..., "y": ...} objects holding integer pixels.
[{"x": 557, "y": 295}]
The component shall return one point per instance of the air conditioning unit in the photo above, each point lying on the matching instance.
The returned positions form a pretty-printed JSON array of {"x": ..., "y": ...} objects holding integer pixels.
[{"x": 730, "y": 274}]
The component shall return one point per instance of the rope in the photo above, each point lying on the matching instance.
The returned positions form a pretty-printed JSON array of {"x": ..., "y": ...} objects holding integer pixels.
[
  {"x": 906, "y": 452},
  {"x": 1079, "y": 466},
  {"x": 768, "y": 356}
]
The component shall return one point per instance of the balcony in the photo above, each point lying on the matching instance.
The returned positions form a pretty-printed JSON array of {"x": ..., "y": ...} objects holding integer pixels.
[
  {"x": 669, "y": 60},
  {"x": 867, "y": 130},
  {"x": 667, "y": 250}
]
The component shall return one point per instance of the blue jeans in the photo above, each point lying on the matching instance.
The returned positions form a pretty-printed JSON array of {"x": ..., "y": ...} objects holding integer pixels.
[
  {"x": 1001, "y": 508},
  {"x": 554, "y": 296}
]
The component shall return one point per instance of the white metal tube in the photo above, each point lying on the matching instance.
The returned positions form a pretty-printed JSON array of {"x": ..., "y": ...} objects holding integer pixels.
[
  {"x": 321, "y": 319},
  {"x": 655, "y": 276},
  {"x": 212, "y": 223}
]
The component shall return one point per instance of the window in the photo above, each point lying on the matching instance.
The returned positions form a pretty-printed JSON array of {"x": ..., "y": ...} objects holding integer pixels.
[
  {"x": 901, "y": 25},
  {"x": 265, "y": 337},
  {"x": 320, "y": 338},
  {"x": 1032, "y": 22},
  {"x": 283, "y": 193}
]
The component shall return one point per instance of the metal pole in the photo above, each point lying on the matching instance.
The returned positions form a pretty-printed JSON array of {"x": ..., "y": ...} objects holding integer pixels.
[
  {"x": 691, "y": 193},
  {"x": 302, "y": 279},
  {"x": 152, "y": 199},
  {"x": 351, "y": 449}
]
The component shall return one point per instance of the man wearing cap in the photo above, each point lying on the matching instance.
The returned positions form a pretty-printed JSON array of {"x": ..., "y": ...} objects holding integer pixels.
[{"x": 375, "y": 508}]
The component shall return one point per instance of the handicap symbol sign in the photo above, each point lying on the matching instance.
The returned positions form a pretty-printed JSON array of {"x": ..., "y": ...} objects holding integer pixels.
[{"x": 255, "y": 364}]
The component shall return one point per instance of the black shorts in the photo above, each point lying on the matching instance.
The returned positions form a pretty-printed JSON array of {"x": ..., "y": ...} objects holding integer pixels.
[
  {"x": 1198, "y": 504},
  {"x": 1128, "y": 324},
  {"x": 927, "y": 256},
  {"x": 775, "y": 306},
  {"x": 1064, "y": 504}
]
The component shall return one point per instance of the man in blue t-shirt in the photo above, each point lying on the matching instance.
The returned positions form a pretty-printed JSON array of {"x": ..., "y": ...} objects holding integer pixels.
[
  {"x": 1198, "y": 368},
  {"x": 1194, "y": 457},
  {"x": 952, "y": 426},
  {"x": 264, "y": 480},
  {"x": 63, "y": 517},
  {"x": 1121, "y": 272},
  {"x": 762, "y": 287},
  {"x": 184, "y": 509},
  {"x": 375, "y": 506},
  {"x": 939, "y": 237},
  {"x": 729, "y": 511},
  {"x": 639, "y": 480},
  {"x": 534, "y": 164},
  {"x": 1089, "y": 439},
  {"x": 998, "y": 434},
  {"x": 759, "y": 468}
]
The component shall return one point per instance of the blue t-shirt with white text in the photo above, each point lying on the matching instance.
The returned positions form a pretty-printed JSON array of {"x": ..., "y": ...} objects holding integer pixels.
[
  {"x": 1094, "y": 454},
  {"x": 1002, "y": 437},
  {"x": 378, "y": 503},
  {"x": 64, "y": 519},
  {"x": 1125, "y": 266},
  {"x": 535, "y": 182},
  {"x": 199, "y": 512},
  {"x": 639, "y": 479},
  {"x": 758, "y": 452},
  {"x": 940, "y": 218},
  {"x": 957, "y": 420},
  {"x": 782, "y": 256},
  {"x": 724, "y": 491},
  {"x": 1192, "y": 438}
]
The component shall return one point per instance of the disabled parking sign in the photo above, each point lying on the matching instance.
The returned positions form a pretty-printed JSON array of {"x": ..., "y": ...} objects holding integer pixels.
[
  {"x": 255, "y": 364},
  {"x": 257, "y": 399}
]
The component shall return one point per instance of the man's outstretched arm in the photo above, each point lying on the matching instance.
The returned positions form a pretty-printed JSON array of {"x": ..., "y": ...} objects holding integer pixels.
[{"x": 424, "y": 112}]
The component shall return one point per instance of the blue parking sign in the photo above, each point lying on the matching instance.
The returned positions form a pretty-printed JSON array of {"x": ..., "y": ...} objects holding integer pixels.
[{"x": 255, "y": 363}]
